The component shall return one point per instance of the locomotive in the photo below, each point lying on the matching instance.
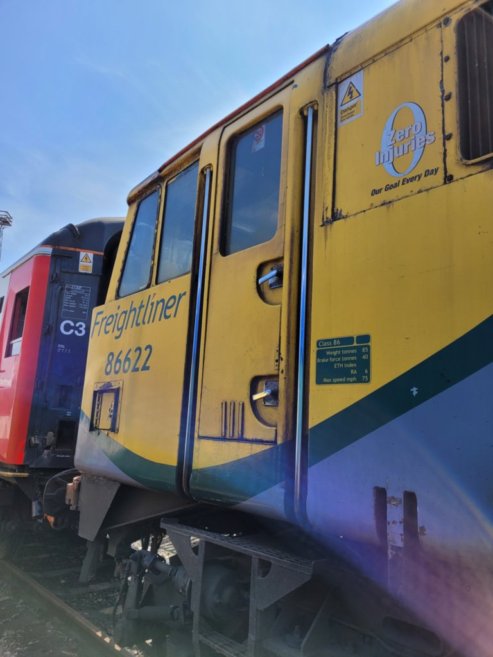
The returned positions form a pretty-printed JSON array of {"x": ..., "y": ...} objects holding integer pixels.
[
  {"x": 286, "y": 425},
  {"x": 46, "y": 301}
]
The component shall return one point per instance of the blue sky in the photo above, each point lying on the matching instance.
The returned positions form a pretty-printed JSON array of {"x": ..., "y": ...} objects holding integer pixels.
[{"x": 96, "y": 95}]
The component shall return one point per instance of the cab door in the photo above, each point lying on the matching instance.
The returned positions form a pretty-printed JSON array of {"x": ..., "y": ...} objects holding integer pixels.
[{"x": 244, "y": 411}]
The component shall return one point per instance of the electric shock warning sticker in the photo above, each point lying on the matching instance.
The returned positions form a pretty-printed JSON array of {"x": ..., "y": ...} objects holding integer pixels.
[
  {"x": 350, "y": 99},
  {"x": 344, "y": 360},
  {"x": 86, "y": 261}
]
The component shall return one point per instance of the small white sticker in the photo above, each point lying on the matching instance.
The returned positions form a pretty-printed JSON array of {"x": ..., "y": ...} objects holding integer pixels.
[
  {"x": 85, "y": 262},
  {"x": 350, "y": 99},
  {"x": 258, "y": 139}
]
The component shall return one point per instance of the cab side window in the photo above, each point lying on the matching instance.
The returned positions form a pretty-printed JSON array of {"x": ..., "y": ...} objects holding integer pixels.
[
  {"x": 17, "y": 325},
  {"x": 175, "y": 257},
  {"x": 138, "y": 264},
  {"x": 252, "y": 187}
]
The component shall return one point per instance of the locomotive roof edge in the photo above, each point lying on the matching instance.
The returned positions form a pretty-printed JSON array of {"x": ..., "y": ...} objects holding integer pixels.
[
  {"x": 352, "y": 49},
  {"x": 88, "y": 235},
  {"x": 386, "y": 29},
  {"x": 147, "y": 182}
]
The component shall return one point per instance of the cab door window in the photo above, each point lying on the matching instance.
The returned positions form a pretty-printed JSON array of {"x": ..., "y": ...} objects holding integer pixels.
[
  {"x": 138, "y": 264},
  {"x": 175, "y": 257},
  {"x": 252, "y": 188}
]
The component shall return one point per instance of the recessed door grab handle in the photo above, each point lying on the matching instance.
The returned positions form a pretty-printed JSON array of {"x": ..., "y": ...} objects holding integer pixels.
[
  {"x": 274, "y": 277},
  {"x": 269, "y": 395}
]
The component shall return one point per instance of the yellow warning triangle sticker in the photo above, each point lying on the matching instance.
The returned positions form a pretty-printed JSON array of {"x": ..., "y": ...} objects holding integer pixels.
[
  {"x": 86, "y": 258},
  {"x": 351, "y": 94}
]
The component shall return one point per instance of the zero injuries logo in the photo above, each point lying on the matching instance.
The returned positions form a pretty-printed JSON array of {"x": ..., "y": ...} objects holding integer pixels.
[{"x": 412, "y": 139}]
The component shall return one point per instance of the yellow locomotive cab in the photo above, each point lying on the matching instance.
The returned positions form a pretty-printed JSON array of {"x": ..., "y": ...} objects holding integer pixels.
[{"x": 298, "y": 330}]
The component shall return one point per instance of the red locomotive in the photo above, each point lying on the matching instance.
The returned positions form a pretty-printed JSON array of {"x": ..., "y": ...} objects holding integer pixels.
[{"x": 46, "y": 303}]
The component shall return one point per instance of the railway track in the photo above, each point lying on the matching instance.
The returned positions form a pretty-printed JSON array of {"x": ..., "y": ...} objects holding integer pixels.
[{"x": 44, "y": 572}]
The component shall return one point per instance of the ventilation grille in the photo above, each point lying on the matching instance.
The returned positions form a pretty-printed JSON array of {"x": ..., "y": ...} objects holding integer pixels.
[
  {"x": 232, "y": 419},
  {"x": 475, "y": 50}
]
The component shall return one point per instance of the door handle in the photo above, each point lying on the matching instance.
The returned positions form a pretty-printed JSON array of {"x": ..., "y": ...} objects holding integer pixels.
[
  {"x": 273, "y": 277},
  {"x": 270, "y": 394},
  {"x": 262, "y": 395}
]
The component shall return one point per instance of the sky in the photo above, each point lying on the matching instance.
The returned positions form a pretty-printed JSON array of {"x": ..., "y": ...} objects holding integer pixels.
[{"x": 97, "y": 94}]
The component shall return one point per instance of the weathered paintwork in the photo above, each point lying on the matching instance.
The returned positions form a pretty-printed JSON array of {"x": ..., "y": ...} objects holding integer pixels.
[
  {"x": 41, "y": 377},
  {"x": 18, "y": 370},
  {"x": 397, "y": 444}
]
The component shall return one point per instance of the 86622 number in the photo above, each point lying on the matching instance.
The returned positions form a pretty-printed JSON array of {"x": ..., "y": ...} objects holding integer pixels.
[{"x": 137, "y": 359}]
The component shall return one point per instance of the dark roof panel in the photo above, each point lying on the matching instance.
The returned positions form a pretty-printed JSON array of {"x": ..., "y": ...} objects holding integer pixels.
[{"x": 90, "y": 235}]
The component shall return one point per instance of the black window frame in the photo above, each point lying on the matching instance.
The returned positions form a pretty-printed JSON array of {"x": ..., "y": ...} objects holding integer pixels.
[
  {"x": 159, "y": 251},
  {"x": 158, "y": 191},
  {"x": 17, "y": 321},
  {"x": 229, "y": 177}
]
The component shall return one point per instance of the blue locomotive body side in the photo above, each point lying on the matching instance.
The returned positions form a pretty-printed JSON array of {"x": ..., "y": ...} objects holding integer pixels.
[{"x": 59, "y": 378}]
